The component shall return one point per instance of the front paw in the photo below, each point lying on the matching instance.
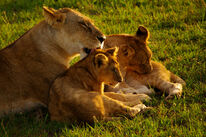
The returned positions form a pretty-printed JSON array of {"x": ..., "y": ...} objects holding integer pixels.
[
  {"x": 142, "y": 107},
  {"x": 175, "y": 91},
  {"x": 136, "y": 109},
  {"x": 139, "y": 108}
]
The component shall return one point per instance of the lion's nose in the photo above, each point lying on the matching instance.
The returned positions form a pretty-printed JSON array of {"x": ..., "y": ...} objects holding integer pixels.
[{"x": 101, "y": 38}]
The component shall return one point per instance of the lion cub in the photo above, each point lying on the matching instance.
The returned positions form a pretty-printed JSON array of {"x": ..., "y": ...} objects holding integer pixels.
[
  {"x": 78, "y": 93},
  {"x": 134, "y": 57}
]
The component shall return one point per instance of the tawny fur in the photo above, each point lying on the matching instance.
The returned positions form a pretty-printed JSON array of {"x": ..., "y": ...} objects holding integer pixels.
[
  {"x": 30, "y": 64},
  {"x": 77, "y": 95},
  {"x": 159, "y": 78},
  {"x": 133, "y": 53}
]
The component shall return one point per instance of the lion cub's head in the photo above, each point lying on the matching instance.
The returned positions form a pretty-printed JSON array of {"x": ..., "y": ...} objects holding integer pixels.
[
  {"x": 73, "y": 31},
  {"x": 133, "y": 52},
  {"x": 105, "y": 66}
]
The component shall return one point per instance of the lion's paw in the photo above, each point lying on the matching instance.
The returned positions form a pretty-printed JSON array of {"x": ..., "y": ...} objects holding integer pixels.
[
  {"x": 175, "y": 91},
  {"x": 136, "y": 109}
]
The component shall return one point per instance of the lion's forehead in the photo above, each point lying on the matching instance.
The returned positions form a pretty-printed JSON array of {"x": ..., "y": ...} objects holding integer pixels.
[{"x": 72, "y": 12}]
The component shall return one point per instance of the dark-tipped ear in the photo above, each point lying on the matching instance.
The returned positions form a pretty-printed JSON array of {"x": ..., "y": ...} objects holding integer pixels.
[
  {"x": 127, "y": 51},
  {"x": 100, "y": 60},
  {"x": 112, "y": 51},
  {"x": 142, "y": 33},
  {"x": 53, "y": 18}
]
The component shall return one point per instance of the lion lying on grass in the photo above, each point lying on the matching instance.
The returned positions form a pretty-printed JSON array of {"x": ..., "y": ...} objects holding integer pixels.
[
  {"x": 78, "y": 93},
  {"x": 30, "y": 64},
  {"x": 139, "y": 71}
]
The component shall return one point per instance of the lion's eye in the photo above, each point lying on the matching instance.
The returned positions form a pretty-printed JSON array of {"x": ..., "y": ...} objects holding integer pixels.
[
  {"x": 86, "y": 26},
  {"x": 83, "y": 24}
]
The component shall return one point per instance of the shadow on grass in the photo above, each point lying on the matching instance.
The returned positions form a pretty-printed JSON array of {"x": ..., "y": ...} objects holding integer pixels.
[{"x": 36, "y": 123}]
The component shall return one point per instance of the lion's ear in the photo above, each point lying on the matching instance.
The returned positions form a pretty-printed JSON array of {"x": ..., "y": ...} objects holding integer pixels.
[
  {"x": 112, "y": 51},
  {"x": 100, "y": 60},
  {"x": 53, "y": 18},
  {"x": 142, "y": 33},
  {"x": 127, "y": 51}
]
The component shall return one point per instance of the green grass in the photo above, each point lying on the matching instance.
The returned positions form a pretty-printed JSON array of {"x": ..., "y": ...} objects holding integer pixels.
[{"x": 178, "y": 40}]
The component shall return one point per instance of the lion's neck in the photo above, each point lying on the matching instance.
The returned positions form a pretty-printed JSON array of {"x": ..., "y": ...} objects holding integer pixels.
[
  {"x": 88, "y": 82},
  {"x": 41, "y": 39},
  {"x": 97, "y": 87},
  {"x": 87, "y": 76}
]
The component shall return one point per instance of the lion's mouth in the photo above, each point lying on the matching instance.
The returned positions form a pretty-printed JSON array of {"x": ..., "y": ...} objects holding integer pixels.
[{"x": 88, "y": 50}]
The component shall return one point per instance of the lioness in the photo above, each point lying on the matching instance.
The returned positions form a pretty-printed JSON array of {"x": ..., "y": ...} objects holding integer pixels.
[
  {"x": 30, "y": 64},
  {"x": 78, "y": 93},
  {"x": 140, "y": 71}
]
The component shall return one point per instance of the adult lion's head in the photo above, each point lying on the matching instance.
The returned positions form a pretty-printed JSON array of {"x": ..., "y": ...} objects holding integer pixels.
[
  {"x": 73, "y": 31},
  {"x": 133, "y": 52}
]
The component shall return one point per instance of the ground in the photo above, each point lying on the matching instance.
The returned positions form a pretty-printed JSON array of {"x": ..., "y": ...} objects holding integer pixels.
[{"x": 178, "y": 40}]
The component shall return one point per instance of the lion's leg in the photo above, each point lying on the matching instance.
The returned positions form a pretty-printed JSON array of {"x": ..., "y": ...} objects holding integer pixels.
[
  {"x": 135, "y": 88},
  {"x": 140, "y": 88},
  {"x": 127, "y": 97},
  {"x": 87, "y": 105},
  {"x": 132, "y": 103},
  {"x": 117, "y": 108},
  {"x": 172, "y": 89},
  {"x": 102, "y": 106},
  {"x": 20, "y": 106},
  {"x": 164, "y": 85}
]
